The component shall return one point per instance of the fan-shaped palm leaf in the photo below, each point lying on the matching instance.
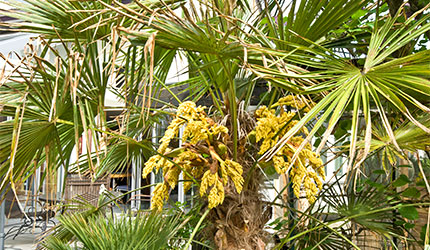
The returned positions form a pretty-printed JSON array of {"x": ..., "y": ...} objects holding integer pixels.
[{"x": 397, "y": 82}]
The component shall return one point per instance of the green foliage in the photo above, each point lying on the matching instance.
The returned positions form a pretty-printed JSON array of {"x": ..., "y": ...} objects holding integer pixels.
[
  {"x": 84, "y": 225},
  {"x": 143, "y": 231},
  {"x": 409, "y": 213},
  {"x": 66, "y": 20},
  {"x": 401, "y": 181},
  {"x": 370, "y": 91},
  {"x": 411, "y": 192},
  {"x": 342, "y": 215}
]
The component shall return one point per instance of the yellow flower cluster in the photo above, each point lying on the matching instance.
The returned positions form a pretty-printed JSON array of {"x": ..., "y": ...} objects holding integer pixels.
[
  {"x": 301, "y": 174},
  {"x": 201, "y": 132},
  {"x": 294, "y": 101},
  {"x": 227, "y": 168},
  {"x": 185, "y": 160},
  {"x": 161, "y": 193},
  {"x": 235, "y": 171},
  {"x": 155, "y": 162},
  {"x": 171, "y": 132},
  {"x": 216, "y": 195},
  {"x": 270, "y": 128}
]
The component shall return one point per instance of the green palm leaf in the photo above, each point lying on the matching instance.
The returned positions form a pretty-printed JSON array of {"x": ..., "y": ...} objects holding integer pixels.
[
  {"x": 69, "y": 20},
  {"x": 370, "y": 88},
  {"x": 145, "y": 231}
]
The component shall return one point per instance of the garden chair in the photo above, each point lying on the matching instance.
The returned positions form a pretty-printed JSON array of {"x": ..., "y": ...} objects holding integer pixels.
[{"x": 33, "y": 215}]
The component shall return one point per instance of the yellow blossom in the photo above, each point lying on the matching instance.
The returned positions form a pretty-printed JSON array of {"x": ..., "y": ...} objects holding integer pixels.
[
  {"x": 196, "y": 131},
  {"x": 184, "y": 160},
  {"x": 315, "y": 162},
  {"x": 279, "y": 164},
  {"x": 171, "y": 132},
  {"x": 295, "y": 101},
  {"x": 216, "y": 195},
  {"x": 224, "y": 173},
  {"x": 270, "y": 128},
  {"x": 208, "y": 180},
  {"x": 235, "y": 171},
  {"x": 187, "y": 109},
  {"x": 200, "y": 134},
  {"x": 297, "y": 174},
  {"x": 150, "y": 165},
  {"x": 264, "y": 111},
  {"x": 311, "y": 189},
  {"x": 161, "y": 193},
  {"x": 218, "y": 129},
  {"x": 172, "y": 176},
  {"x": 317, "y": 180}
]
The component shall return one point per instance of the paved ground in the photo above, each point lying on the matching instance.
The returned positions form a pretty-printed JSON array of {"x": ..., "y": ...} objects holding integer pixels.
[{"x": 22, "y": 242}]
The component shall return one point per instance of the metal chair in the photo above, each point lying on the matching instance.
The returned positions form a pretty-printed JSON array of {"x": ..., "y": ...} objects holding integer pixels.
[{"x": 33, "y": 216}]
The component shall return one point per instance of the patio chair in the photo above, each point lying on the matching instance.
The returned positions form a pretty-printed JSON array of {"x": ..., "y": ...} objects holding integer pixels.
[
  {"x": 33, "y": 216},
  {"x": 81, "y": 202}
]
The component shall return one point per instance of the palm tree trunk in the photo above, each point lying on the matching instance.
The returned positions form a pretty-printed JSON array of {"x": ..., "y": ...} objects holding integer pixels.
[{"x": 239, "y": 222}]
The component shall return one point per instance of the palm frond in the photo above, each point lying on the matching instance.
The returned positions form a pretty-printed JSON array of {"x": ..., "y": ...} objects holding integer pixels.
[
  {"x": 145, "y": 231},
  {"x": 65, "y": 20},
  {"x": 363, "y": 91}
]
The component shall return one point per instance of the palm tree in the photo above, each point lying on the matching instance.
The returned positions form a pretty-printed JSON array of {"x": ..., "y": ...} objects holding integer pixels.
[
  {"x": 290, "y": 49},
  {"x": 297, "y": 57}
]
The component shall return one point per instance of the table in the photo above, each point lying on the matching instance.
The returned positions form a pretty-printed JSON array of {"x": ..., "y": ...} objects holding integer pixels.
[
  {"x": 49, "y": 199},
  {"x": 49, "y": 208}
]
